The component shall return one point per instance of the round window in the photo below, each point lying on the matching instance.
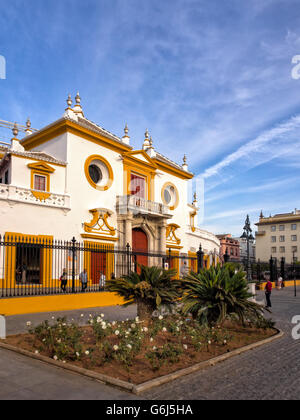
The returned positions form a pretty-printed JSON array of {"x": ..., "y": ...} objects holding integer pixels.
[
  {"x": 170, "y": 195},
  {"x": 99, "y": 172},
  {"x": 95, "y": 173}
]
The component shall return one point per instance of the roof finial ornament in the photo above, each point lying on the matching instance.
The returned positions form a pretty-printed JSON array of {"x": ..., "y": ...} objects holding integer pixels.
[
  {"x": 151, "y": 142},
  {"x": 77, "y": 98},
  {"x": 69, "y": 101},
  {"x": 28, "y": 130},
  {"x": 126, "y": 138},
  {"x": 146, "y": 144},
  {"x": 77, "y": 108},
  {"x": 126, "y": 130},
  {"x": 184, "y": 165},
  {"x": 15, "y": 130},
  {"x": 261, "y": 215}
]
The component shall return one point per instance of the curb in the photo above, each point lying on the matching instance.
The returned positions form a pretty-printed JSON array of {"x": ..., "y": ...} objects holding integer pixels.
[{"x": 137, "y": 389}]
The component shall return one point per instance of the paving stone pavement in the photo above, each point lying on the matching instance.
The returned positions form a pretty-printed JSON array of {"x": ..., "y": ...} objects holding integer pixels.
[{"x": 269, "y": 372}]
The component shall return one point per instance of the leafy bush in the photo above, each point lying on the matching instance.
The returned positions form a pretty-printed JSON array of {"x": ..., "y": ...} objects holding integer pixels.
[
  {"x": 150, "y": 289},
  {"x": 216, "y": 293},
  {"x": 61, "y": 340}
]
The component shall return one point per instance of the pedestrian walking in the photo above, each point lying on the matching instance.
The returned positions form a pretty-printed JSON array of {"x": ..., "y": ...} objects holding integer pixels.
[
  {"x": 279, "y": 284},
  {"x": 84, "y": 280},
  {"x": 102, "y": 280},
  {"x": 268, "y": 291},
  {"x": 63, "y": 280}
]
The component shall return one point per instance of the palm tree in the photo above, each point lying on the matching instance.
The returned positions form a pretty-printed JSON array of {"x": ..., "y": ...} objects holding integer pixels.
[
  {"x": 149, "y": 289},
  {"x": 213, "y": 294}
]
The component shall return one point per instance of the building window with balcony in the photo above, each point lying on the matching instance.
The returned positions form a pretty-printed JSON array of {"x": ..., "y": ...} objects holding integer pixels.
[
  {"x": 138, "y": 186},
  {"x": 294, "y": 238},
  {"x": 282, "y": 238},
  {"x": 273, "y": 238},
  {"x": 40, "y": 182}
]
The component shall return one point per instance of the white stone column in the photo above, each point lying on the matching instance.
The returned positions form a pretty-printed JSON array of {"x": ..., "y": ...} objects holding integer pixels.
[{"x": 2, "y": 327}]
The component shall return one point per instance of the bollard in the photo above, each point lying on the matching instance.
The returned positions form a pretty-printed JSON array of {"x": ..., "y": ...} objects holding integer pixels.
[{"x": 2, "y": 327}]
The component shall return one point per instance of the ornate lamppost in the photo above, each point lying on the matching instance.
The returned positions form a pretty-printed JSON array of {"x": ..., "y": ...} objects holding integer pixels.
[{"x": 247, "y": 234}]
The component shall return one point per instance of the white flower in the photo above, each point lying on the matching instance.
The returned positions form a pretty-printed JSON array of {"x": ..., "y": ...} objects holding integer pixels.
[
  {"x": 137, "y": 319},
  {"x": 132, "y": 325},
  {"x": 145, "y": 329},
  {"x": 52, "y": 317},
  {"x": 154, "y": 348},
  {"x": 55, "y": 357},
  {"x": 99, "y": 320},
  {"x": 151, "y": 339},
  {"x": 82, "y": 315},
  {"x": 117, "y": 332},
  {"x": 164, "y": 329},
  {"x": 160, "y": 317},
  {"x": 209, "y": 342},
  {"x": 225, "y": 341},
  {"x": 129, "y": 346},
  {"x": 28, "y": 323},
  {"x": 36, "y": 352},
  {"x": 87, "y": 352},
  {"x": 102, "y": 315},
  {"x": 177, "y": 329},
  {"x": 185, "y": 346},
  {"x": 129, "y": 330},
  {"x": 90, "y": 315},
  {"x": 59, "y": 340},
  {"x": 116, "y": 347},
  {"x": 113, "y": 323},
  {"x": 43, "y": 340},
  {"x": 103, "y": 327}
]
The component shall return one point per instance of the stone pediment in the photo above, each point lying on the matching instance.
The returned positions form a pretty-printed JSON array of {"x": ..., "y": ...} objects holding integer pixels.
[
  {"x": 41, "y": 166},
  {"x": 141, "y": 157}
]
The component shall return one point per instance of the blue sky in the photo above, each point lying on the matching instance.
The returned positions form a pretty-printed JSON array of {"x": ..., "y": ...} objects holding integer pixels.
[{"x": 211, "y": 79}]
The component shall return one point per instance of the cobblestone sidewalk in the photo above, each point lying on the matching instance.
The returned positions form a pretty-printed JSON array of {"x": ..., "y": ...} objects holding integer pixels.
[{"x": 269, "y": 372}]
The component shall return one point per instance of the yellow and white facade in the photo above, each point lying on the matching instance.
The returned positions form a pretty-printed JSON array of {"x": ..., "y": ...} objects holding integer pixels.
[{"x": 73, "y": 178}]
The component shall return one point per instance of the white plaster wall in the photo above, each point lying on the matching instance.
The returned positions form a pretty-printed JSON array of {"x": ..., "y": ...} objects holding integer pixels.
[
  {"x": 83, "y": 196},
  {"x": 21, "y": 174},
  {"x": 56, "y": 147}
]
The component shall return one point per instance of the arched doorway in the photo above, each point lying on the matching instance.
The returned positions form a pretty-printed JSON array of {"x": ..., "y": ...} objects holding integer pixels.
[{"x": 140, "y": 245}]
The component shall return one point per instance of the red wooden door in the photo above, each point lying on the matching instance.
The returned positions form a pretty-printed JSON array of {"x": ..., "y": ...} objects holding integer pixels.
[
  {"x": 98, "y": 266},
  {"x": 140, "y": 243}
]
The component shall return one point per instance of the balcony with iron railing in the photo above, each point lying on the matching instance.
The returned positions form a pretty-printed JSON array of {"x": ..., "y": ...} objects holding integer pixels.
[{"x": 138, "y": 205}]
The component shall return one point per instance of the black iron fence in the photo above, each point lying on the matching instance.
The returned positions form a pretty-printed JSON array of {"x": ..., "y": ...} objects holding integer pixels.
[
  {"x": 43, "y": 266},
  {"x": 261, "y": 271}
]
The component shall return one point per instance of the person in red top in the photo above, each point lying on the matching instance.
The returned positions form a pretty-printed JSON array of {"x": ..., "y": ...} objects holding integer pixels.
[{"x": 268, "y": 291}]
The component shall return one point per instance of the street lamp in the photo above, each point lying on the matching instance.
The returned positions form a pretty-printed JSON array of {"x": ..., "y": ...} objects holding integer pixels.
[{"x": 247, "y": 234}]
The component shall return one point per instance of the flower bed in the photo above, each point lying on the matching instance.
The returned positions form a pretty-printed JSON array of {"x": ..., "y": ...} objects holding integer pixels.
[{"x": 136, "y": 351}]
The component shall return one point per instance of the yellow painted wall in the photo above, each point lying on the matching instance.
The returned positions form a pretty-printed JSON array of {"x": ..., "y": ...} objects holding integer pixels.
[
  {"x": 287, "y": 283},
  {"x": 35, "y": 304}
]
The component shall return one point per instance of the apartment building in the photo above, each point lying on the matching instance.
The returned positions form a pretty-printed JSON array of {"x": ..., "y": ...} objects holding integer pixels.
[{"x": 278, "y": 236}]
